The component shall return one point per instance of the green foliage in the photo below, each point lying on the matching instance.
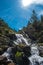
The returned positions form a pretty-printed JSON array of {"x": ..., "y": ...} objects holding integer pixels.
[
  {"x": 5, "y": 31},
  {"x": 4, "y": 28},
  {"x": 34, "y": 29},
  {"x": 22, "y": 59},
  {"x": 18, "y": 54},
  {"x": 33, "y": 17},
  {"x": 18, "y": 58}
]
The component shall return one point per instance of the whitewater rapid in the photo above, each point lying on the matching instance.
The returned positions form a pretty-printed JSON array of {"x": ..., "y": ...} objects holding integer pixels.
[
  {"x": 21, "y": 39},
  {"x": 35, "y": 59}
]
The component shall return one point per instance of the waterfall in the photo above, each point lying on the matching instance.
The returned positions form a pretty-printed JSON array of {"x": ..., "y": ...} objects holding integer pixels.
[
  {"x": 35, "y": 59},
  {"x": 7, "y": 54},
  {"x": 21, "y": 39}
]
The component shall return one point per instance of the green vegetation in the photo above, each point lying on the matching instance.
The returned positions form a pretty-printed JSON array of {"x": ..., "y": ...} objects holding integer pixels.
[
  {"x": 4, "y": 28},
  {"x": 34, "y": 29},
  {"x": 5, "y": 31},
  {"x": 18, "y": 54}
]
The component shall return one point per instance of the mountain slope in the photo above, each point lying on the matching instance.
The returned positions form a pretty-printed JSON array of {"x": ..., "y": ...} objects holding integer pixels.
[
  {"x": 34, "y": 29},
  {"x": 5, "y": 31},
  {"x": 10, "y": 37}
]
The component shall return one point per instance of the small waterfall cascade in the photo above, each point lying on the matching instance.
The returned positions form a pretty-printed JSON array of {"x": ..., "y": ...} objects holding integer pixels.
[
  {"x": 21, "y": 39},
  {"x": 7, "y": 54},
  {"x": 35, "y": 59}
]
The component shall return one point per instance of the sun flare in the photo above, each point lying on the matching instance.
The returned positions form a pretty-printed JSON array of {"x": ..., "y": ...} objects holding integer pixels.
[{"x": 26, "y": 3}]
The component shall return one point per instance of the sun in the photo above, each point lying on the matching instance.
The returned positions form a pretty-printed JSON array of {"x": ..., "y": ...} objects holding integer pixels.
[{"x": 26, "y": 3}]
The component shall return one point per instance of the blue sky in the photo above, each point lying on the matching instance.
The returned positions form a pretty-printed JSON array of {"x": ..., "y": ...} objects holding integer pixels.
[{"x": 17, "y": 16}]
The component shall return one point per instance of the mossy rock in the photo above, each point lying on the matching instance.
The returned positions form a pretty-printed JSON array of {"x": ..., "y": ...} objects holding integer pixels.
[{"x": 18, "y": 54}]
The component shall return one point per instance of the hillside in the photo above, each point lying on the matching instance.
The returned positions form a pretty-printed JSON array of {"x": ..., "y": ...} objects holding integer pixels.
[
  {"x": 4, "y": 28},
  {"x": 34, "y": 29},
  {"x": 5, "y": 31}
]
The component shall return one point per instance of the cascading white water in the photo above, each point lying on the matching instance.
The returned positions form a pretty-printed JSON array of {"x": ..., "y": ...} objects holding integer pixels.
[
  {"x": 35, "y": 59},
  {"x": 34, "y": 49},
  {"x": 7, "y": 54},
  {"x": 20, "y": 38}
]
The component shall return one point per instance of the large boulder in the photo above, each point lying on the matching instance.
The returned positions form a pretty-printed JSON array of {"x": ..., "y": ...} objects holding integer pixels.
[
  {"x": 22, "y": 59},
  {"x": 27, "y": 50},
  {"x": 3, "y": 60},
  {"x": 12, "y": 36}
]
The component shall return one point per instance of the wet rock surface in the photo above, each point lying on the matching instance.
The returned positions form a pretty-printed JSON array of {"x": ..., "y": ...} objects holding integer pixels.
[{"x": 28, "y": 56}]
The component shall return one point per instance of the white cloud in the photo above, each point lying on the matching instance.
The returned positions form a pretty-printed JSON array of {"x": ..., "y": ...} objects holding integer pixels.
[
  {"x": 26, "y": 3},
  {"x": 38, "y": 1}
]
